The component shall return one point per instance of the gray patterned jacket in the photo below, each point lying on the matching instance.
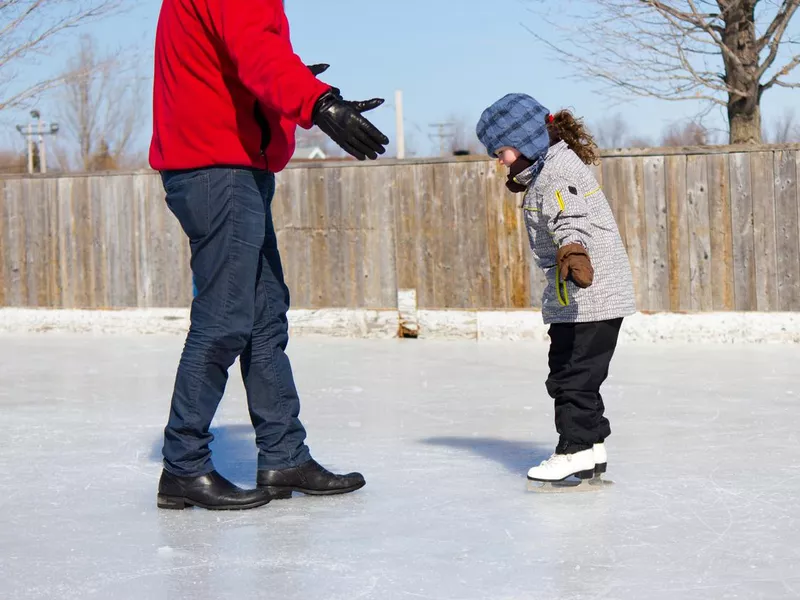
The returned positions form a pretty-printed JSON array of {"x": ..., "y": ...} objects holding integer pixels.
[{"x": 564, "y": 205}]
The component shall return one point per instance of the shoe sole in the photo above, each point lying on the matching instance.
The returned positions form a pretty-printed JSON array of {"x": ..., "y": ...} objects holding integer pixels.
[
  {"x": 284, "y": 493},
  {"x": 588, "y": 474},
  {"x": 180, "y": 503}
]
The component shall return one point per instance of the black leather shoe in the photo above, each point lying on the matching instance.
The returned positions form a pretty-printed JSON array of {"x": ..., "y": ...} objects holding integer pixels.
[
  {"x": 211, "y": 491},
  {"x": 309, "y": 478}
]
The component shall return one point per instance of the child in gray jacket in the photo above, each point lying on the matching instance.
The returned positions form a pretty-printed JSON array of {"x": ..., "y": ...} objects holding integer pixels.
[{"x": 576, "y": 242}]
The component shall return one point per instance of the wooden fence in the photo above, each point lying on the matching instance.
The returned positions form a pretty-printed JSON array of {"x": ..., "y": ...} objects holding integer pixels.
[{"x": 706, "y": 229}]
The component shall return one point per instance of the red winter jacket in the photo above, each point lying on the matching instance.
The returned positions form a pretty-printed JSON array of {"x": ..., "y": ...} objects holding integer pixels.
[{"x": 216, "y": 62}]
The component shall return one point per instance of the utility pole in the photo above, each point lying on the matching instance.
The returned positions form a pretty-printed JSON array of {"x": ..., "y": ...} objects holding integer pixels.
[
  {"x": 38, "y": 129},
  {"x": 400, "y": 131},
  {"x": 441, "y": 135}
]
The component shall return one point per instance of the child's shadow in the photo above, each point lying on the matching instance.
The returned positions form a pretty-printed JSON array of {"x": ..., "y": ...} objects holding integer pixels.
[
  {"x": 233, "y": 450},
  {"x": 516, "y": 457}
]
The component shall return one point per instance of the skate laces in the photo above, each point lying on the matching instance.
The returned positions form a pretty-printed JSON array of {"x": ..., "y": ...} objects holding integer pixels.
[{"x": 555, "y": 458}]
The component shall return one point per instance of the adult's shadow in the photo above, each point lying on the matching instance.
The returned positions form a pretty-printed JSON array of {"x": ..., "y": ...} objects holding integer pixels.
[
  {"x": 517, "y": 457},
  {"x": 233, "y": 450}
]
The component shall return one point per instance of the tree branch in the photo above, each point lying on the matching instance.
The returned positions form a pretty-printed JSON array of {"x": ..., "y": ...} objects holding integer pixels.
[
  {"x": 789, "y": 8},
  {"x": 787, "y": 68},
  {"x": 699, "y": 21},
  {"x": 29, "y": 27},
  {"x": 780, "y": 22}
]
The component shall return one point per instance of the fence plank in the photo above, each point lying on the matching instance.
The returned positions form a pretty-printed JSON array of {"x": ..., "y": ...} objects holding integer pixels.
[
  {"x": 336, "y": 231},
  {"x": 520, "y": 260},
  {"x": 71, "y": 249},
  {"x": 655, "y": 196},
  {"x": 100, "y": 273},
  {"x": 680, "y": 291},
  {"x": 788, "y": 230},
  {"x": 699, "y": 232},
  {"x": 462, "y": 183},
  {"x": 441, "y": 234},
  {"x": 16, "y": 266},
  {"x": 317, "y": 219},
  {"x": 764, "y": 240},
  {"x": 743, "y": 237},
  {"x": 32, "y": 223},
  {"x": 380, "y": 245},
  {"x": 294, "y": 230},
  {"x": 404, "y": 199},
  {"x": 354, "y": 238},
  {"x": 632, "y": 206},
  {"x": 428, "y": 251},
  {"x": 144, "y": 280},
  {"x": 160, "y": 221},
  {"x": 5, "y": 275},
  {"x": 74, "y": 196},
  {"x": 494, "y": 198},
  {"x": 719, "y": 201},
  {"x": 613, "y": 176}
]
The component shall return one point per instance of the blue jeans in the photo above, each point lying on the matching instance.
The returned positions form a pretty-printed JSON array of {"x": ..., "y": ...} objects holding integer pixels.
[{"x": 239, "y": 310}]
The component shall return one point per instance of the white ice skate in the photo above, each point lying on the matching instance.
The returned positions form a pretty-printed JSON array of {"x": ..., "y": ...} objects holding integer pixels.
[
  {"x": 553, "y": 475},
  {"x": 600, "y": 459}
]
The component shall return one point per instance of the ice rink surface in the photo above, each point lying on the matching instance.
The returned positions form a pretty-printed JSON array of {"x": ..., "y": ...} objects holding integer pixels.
[{"x": 704, "y": 454}]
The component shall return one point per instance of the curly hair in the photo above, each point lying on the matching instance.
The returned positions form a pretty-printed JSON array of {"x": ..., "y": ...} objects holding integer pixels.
[{"x": 566, "y": 127}]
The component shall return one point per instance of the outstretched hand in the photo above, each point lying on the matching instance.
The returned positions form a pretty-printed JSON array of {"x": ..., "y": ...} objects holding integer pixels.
[{"x": 342, "y": 121}]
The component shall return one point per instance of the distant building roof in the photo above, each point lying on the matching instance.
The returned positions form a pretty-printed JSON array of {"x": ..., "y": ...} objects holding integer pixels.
[{"x": 309, "y": 153}]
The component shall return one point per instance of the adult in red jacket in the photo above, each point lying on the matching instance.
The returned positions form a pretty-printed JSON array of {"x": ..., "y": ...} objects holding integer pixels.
[{"x": 229, "y": 92}]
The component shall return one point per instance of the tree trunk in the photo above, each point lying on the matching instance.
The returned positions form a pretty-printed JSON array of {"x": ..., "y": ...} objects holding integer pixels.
[
  {"x": 741, "y": 71},
  {"x": 745, "y": 125}
]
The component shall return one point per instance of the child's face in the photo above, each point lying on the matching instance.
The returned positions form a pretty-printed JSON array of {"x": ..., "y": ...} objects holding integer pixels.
[{"x": 508, "y": 156}]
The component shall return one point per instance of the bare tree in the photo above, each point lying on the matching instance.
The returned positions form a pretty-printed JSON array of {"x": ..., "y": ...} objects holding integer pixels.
[
  {"x": 783, "y": 129},
  {"x": 411, "y": 144},
  {"x": 723, "y": 52},
  {"x": 686, "y": 134},
  {"x": 28, "y": 31},
  {"x": 100, "y": 107},
  {"x": 639, "y": 141},
  {"x": 463, "y": 136},
  {"x": 614, "y": 132},
  {"x": 12, "y": 162},
  {"x": 611, "y": 132}
]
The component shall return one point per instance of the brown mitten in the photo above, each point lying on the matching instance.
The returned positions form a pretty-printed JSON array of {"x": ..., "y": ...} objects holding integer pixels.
[{"x": 574, "y": 263}]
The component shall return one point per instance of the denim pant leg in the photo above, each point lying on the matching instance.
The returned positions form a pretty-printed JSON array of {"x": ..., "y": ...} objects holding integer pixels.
[
  {"x": 267, "y": 373},
  {"x": 222, "y": 213}
]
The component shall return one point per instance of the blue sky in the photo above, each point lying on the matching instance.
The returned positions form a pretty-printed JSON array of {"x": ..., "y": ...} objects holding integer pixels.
[{"x": 448, "y": 64}]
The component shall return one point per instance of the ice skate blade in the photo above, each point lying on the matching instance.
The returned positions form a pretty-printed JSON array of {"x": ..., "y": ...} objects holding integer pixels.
[{"x": 569, "y": 486}]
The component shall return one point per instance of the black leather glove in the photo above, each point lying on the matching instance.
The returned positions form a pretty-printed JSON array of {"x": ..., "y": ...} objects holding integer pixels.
[
  {"x": 341, "y": 121},
  {"x": 317, "y": 70}
]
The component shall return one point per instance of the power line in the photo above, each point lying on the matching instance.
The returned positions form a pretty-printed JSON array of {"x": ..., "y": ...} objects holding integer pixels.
[{"x": 442, "y": 134}]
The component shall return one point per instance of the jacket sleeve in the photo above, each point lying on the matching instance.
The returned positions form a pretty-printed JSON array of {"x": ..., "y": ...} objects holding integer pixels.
[
  {"x": 567, "y": 213},
  {"x": 255, "y": 37}
]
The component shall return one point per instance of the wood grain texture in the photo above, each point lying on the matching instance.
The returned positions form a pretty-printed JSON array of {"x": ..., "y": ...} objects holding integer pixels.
[
  {"x": 704, "y": 231},
  {"x": 680, "y": 289},
  {"x": 744, "y": 263},
  {"x": 764, "y": 239}
]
